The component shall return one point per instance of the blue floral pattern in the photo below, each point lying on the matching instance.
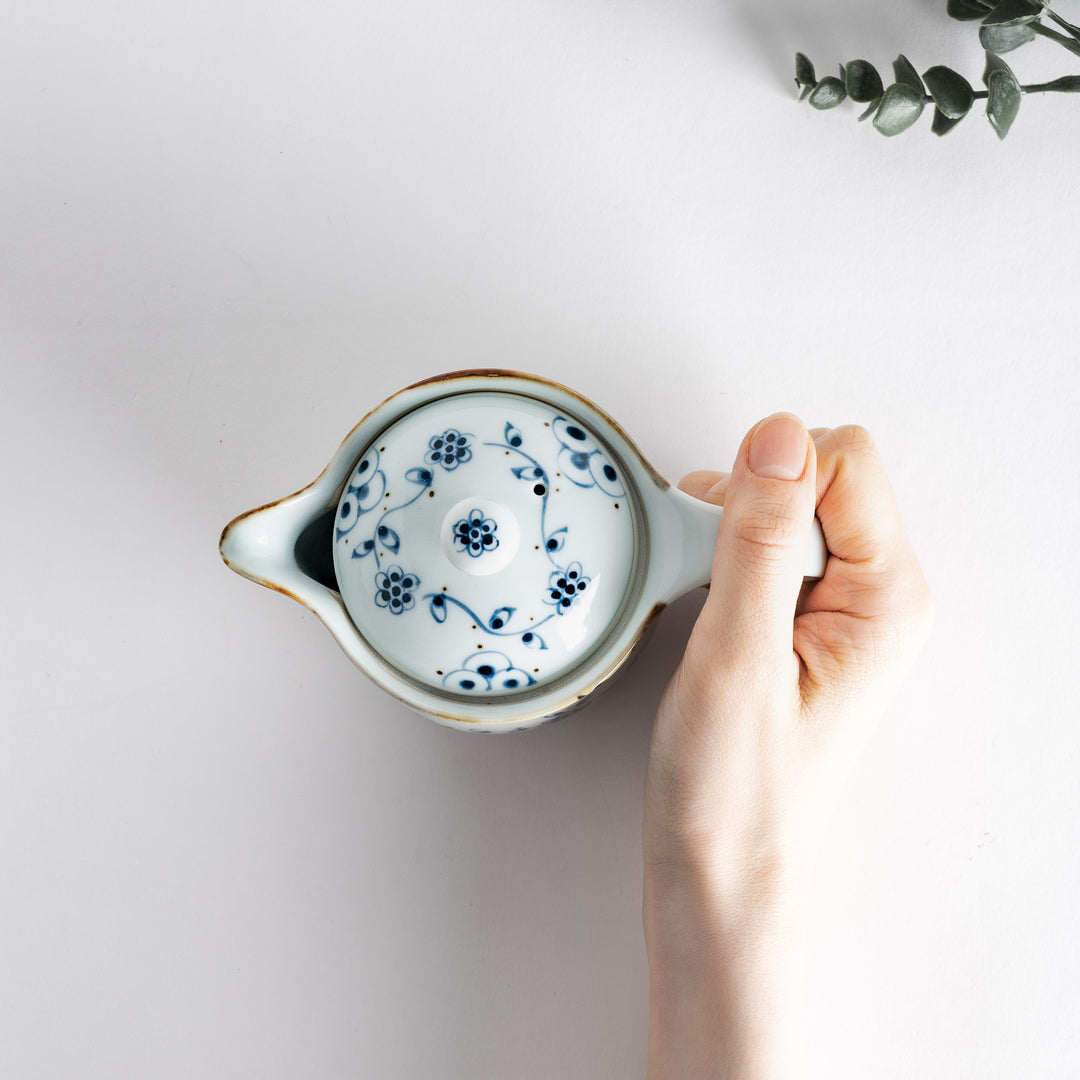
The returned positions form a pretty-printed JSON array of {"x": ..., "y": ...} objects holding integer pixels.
[
  {"x": 580, "y": 459},
  {"x": 484, "y": 671},
  {"x": 394, "y": 589},
  {"x": 475, "y": 534},
  {"x": 497, "y": 624},
  {"x": 365, "y": 490},
  {"x": 450, "y": 449},
  {"x": 566, "y": 586},
  {"x": 366, "y": 487}
]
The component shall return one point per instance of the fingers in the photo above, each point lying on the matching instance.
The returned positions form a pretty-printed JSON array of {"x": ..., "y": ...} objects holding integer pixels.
[
  {"x": 873, "y": 578},
  {"x": 858, "y": 510},
  {"x": 706, "y": 485},
  {"x": 711, "y": 486},
  {"x": 762, "y": 543},
  {"x": 842, "y": 641}
]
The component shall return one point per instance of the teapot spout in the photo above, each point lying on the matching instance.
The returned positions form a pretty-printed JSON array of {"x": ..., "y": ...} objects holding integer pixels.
[{"x": 285, "y": 546}]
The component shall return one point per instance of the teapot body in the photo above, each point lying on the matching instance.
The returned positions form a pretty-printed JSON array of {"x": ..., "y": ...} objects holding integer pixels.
[{"x": 488, "y": 547}]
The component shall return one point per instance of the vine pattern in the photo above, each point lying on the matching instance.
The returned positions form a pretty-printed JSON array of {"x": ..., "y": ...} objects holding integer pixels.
[{"x": 580, "y": 460}]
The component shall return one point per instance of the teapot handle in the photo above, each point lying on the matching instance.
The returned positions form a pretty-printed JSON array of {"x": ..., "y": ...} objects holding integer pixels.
[{"x": 689, "y": 528}]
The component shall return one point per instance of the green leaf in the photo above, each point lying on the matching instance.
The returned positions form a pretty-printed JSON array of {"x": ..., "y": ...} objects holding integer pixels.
[
  {"x": 968, "y": 10},
  {"x": 828, "y": 93},
  {"x": 943, "y": 124},
  {"x": 899, "y": 109},
  {"x": 863, "y": 82},
  {"x": 870, "y": 110},
  {"x": 1002, "y": 39},
  {"x": 804, "y": 70},
  {"x": 1014, "y": 13},
  {"x": 906, "y": 74},
  {"x": 994, "y": 63},
  {"x": 1003, "y": 102},
  {"x": 952, "y": 93}
]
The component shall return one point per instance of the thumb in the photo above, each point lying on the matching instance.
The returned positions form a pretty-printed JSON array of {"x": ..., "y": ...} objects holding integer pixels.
[{"x": 763, "y": 541}]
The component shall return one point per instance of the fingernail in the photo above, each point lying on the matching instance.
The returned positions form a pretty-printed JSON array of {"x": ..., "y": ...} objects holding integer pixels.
[{"x": 779, "y": 448}]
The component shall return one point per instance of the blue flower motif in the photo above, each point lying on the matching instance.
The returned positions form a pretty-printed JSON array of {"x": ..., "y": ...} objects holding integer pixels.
[
  {"x": 450, "y": 449},
  {"x": 476, "y": 534},
  {"x": 487, "y": 670},
  {"x": 367, "y": 485},
  {"x": 565, "y": 586},
  {"x": 582, "y": 460},
  {"x": 394, "y": 589}
]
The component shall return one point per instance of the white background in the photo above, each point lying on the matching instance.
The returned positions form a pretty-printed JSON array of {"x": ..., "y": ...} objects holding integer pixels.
[{"x": 227, "y": 230}]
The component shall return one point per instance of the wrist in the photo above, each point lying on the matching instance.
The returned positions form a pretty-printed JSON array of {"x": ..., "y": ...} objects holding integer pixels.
[
  {"x": 761, "y": 864},
  {"x": 724, "y": 951},
  {"x": 723, "y": 901}
]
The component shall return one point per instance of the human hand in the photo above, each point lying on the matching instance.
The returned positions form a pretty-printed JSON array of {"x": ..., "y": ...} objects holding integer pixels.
[{"x": 777, "y": 692}]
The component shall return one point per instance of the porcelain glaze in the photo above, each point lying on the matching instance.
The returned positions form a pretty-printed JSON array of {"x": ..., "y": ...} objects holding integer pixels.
[
  {"x": 485, "y": 523},
  {"x": 487, "y": 546}
]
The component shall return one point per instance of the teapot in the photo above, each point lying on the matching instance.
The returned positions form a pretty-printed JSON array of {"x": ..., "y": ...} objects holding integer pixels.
[{"x": 487, "y": 546}]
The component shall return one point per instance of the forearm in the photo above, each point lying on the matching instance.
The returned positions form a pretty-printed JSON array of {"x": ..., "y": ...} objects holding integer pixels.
[
  {"x": 759, "y": 726},
  {"x": 724, "y": 987}
]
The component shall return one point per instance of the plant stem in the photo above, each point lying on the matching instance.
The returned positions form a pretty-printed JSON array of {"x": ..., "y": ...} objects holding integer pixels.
[
  {"x": 1073, "y": 30},
  {"x": 1053, "y": 35},
  {"x": 1066, "y": 85},
  {"x": 1031, "y": 88}
]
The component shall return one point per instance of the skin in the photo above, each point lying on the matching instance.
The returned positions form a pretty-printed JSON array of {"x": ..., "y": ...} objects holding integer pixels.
[{"x": 781, "y": 684}]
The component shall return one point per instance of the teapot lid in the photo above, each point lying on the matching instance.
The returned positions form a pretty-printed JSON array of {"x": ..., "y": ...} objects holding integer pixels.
[{"x": 487, "y": 543}]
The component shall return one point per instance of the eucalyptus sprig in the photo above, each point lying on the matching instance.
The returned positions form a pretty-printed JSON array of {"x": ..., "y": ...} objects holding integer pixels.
[{"x": 1006, "y": 25}]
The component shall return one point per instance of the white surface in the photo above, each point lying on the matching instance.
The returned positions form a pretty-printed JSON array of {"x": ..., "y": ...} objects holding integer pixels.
[{"x": 230, "y": 229}]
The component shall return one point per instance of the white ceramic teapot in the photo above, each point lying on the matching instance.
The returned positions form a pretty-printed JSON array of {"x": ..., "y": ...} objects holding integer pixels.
[{"x": 487, "y": 546}]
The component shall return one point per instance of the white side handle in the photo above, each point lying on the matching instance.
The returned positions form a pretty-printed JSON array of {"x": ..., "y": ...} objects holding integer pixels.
[{"x": 688, "y": 532}]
